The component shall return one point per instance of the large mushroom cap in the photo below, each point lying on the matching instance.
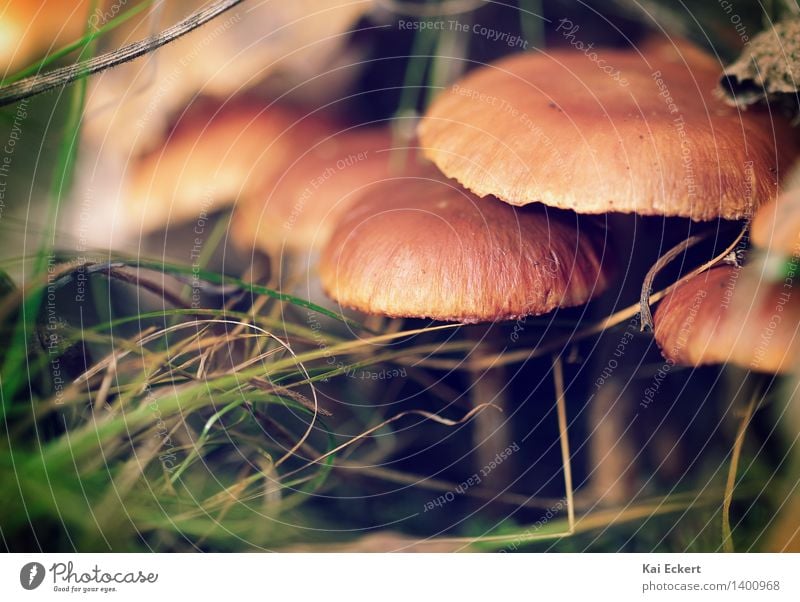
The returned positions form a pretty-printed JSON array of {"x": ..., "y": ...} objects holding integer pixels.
[
  {"x": 729, "y": 315},
  {"x": 606, "y": 130},
  {"x": 296, "y": 208},
  {"x": 420, "y": 247}
]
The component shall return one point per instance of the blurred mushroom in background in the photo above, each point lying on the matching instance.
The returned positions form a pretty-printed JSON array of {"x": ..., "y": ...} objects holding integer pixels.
[
  {"x": 31, "y": 29},
  {"x": 275, "y": 48},
  {"x": 731, "y": 315},
  {"x": 246, "y": 60},
  {"x": 776, "y": 226},
  {"x": 213, "y": 156},
  {"x": 292, "y": 212}
]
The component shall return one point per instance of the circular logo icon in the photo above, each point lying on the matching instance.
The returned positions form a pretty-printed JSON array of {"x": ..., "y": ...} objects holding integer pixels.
[{"x": 31, "y": 575}]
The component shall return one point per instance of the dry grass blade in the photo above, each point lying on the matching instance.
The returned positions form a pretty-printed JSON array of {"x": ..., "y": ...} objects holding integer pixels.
[
  {"x": 647, "y": 285},
  {"x": 269, "y": 387},
  {"x": 727, "y": 535},
  {"x": 566, "y": 459},
  {"x": 428, "y": 415}
]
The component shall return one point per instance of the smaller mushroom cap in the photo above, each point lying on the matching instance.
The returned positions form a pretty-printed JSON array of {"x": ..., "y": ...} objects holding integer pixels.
[
  {"x": 425, "y": 248},
  {"x": 730, "y": 315}
]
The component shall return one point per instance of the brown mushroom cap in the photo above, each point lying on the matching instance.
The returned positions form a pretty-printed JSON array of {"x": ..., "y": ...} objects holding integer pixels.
[
  {"x": 730, "y": 315},
  {"x": 297, "y": 208},
  {"x": 214, "y": 156},
  {"x": 421, "y": 247},
  {"x": 624, "y": 132}
]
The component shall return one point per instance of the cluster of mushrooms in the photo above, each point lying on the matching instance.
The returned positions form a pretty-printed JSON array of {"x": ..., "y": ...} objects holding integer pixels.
[{"x": 490, "y": 212}]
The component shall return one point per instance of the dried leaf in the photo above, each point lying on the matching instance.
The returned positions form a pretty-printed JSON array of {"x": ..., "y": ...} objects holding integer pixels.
[{"x": 768, "y": 70}]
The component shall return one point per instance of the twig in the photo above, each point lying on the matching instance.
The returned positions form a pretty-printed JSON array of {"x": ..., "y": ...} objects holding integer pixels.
[
  {"x": 646, "y": 300},
  {"x": 647, "y": 285}
]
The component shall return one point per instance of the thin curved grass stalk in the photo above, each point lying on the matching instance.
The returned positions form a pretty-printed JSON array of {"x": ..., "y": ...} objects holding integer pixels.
[
  {"x": 566, "y": 457},
  {"x": 250, "y": 362},
  {"x": 372, "y": 360},
  {"x": 180, "y": 400},
  {"x": 265, "y": 321},
  {"x": 148, "y": 285},
  {"x": 348, "y": 346},
  {"x": 37, "y": 84},
  {"x": 139, "y": 342},
  {"x": 221, "y": 498},
  {"x": 587, "y": 522},
  {"x": 646, "y": 316},
  {"x": 733, "y": 468},
  {"x": 647, "y": 284},
  {"x": 101, "y": 398},
  {"x": 298, "y": 364},
  {"x": 301, "y": 399},
  {"x": 423, "y": 413},
  {"x": 222, "y": 279},
  {"x": 203, "y": 439}
]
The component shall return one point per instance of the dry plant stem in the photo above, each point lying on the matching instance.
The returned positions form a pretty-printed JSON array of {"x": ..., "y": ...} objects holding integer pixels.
[
  {"x": 561, "y": 407},
  {"x": 206, "y": 357},
  {"x": 259, "y": 330},
  {"x": 523, "y": 355},
  {"x": 492, "y": 432},
  {"x": 60, "y": 77},
  {"x": 388, "y": 421},
  {"x": 727, "y": 535},
  {"x": 647, "y": 284}
]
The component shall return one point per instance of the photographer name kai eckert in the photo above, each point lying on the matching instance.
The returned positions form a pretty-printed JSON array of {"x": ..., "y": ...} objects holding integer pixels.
[
  {"x": 64, "y": 572},
  {"x": 671, "y": 568}
]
